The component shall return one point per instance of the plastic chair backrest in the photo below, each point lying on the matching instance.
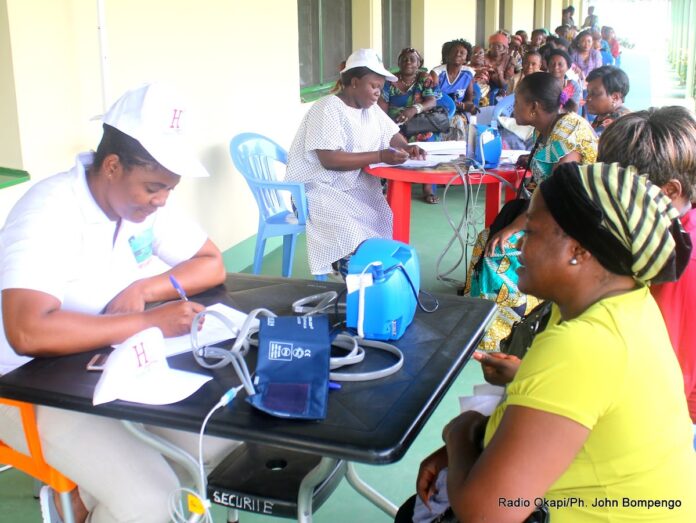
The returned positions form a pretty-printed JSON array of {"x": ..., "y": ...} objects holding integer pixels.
[
  {"x": 477, "y": 94},
  {"x": 33, "y": 463},
  {"x": 255, "y": 156},
  {"x": 504, "y": 107},
  {"x": 446, "y": 101}
]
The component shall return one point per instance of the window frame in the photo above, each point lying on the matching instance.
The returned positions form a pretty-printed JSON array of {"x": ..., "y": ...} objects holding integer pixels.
[
  {"x": 313, "y": 92},
  {"x": 388, "y": 40}
]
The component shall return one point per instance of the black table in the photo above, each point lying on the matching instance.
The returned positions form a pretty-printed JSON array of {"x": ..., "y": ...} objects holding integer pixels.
[{"x": 371, "y": 422}]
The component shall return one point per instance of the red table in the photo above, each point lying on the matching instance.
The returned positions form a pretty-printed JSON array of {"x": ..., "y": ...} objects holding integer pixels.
[{"x": 399, "y": 190}]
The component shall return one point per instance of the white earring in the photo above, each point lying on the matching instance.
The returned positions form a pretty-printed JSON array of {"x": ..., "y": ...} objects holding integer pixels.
[{"x": 573, "y": 261}]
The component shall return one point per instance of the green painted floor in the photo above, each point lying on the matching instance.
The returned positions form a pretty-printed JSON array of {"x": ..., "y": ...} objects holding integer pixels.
[{"x": 430, "y": 233}]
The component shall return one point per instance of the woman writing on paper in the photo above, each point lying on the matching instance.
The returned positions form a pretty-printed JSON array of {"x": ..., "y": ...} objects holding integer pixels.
[
  {"x": 76, "y": 271},
  {"x": 340, "y": 135}
]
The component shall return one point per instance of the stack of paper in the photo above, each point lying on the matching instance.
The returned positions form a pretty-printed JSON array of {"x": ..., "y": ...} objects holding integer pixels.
[
  {"x": 511, "y": 155},
  {"x": 431, "y": 161},
  {"x": 449, "y": 148}
]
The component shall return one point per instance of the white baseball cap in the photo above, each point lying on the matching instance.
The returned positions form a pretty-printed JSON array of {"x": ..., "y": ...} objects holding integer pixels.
[
  {"x": 370, "y": 59},
  {"x": 156, "y": 116},
  {"x": 137, "y": 371}
]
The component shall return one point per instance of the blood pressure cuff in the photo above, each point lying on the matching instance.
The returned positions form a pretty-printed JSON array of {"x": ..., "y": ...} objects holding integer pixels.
[{"x": 292, "y": 372}]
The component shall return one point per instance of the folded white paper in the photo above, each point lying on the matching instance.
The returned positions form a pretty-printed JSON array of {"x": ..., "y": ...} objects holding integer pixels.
[
  {"x": 213, "y": 331},
  {"x": 431, "y": 161},
  {"x": 449, "y": 147}
]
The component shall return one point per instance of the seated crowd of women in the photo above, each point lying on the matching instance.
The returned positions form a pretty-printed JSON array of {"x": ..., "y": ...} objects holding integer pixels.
[
  {"x": 596, "y": 411},
  {"x": 475, "y": 77}
]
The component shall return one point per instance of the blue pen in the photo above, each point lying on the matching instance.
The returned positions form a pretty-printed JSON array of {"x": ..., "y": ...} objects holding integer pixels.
[
  {"x": 395, "y": 150},
  {"x": 334, "y": 385},
  {"x": 178, "y": 288}
]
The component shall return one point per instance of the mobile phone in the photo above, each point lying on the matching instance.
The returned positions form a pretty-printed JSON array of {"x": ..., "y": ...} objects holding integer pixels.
[{"x": 97, "y": 362}]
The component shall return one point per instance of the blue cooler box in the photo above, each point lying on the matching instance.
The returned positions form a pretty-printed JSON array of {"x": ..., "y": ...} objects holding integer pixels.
[
  {"x": 390, "y": 302},
  {"x": 489, "y": 143}
]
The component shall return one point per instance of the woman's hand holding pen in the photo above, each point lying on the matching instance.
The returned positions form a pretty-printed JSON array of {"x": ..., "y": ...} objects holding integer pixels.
[
  {"x": 174, "y": 318},
  {"x": 393, "y": 156},
  {"x": 138, "y": 294}
]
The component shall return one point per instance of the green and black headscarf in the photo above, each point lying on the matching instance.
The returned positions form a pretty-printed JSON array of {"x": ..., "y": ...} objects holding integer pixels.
[{"x": 626, "y": 222}]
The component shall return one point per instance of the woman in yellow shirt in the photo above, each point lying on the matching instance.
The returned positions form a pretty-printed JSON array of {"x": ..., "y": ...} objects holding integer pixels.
[{"x": 594, "y": 425}]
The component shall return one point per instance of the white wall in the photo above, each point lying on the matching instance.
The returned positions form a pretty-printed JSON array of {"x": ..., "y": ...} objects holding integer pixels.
[
  {"x": 367, "y": 24},
  {"x": 10, "y": 148},
  {"x": 522, "y": 15},
  {"x": 434, "y": 22},
  {"x": 237, "y": 62}
]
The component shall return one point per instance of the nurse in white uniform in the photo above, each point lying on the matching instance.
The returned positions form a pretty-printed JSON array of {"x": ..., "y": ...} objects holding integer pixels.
[{"x": 76, "y": 272}]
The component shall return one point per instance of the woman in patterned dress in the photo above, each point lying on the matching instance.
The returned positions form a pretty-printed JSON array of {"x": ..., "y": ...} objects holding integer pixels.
[
  {"x": 340, "y": 135},
  {"x": 559, "y": 138}
]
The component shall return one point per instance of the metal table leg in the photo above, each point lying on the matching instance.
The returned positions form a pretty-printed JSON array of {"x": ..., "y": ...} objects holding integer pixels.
[
  {"x": 172, "y": 452},
  {"x": 66, "y": 504},
  {"x": 311, "y": 480},
  {"x": 368, "y": 492}
]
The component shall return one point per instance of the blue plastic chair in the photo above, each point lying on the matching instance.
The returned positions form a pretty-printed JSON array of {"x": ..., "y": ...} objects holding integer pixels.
[
  {"x": 254, "y": 156},
  {"x": 504, "y": 107},
  {"x": 477, "y": 94},
  {"x": 446, "y": 101}
]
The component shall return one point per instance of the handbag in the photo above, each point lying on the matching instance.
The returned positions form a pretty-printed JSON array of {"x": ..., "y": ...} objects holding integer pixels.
[
  {"x": 523, "y": 332},
  {"x": 433, "y": 121}
]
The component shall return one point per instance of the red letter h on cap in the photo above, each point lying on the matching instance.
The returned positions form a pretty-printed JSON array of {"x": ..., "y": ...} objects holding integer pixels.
[
  {"x": 140, "y": 354},
  {"x": 175, "y": 119}
]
